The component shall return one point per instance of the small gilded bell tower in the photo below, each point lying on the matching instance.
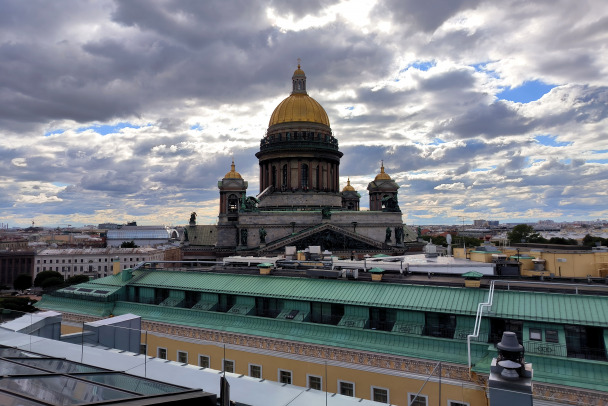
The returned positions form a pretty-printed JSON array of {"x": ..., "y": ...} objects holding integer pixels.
[
  {"x": 383, "y": 192},
  {"x": 232, "y": 191},
  {"x": 350, "y": 197}
]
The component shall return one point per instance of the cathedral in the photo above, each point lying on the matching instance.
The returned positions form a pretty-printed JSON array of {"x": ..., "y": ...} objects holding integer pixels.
[{"x": 300, "y": 201}]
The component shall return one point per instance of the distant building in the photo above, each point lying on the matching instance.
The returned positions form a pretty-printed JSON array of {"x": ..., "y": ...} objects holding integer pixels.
[
  {"x": 13, "y": 263},
  {"x": 142, "y": 236},
  {"x": 96, "y": 262},
  {"x": 13, "y": 244}
]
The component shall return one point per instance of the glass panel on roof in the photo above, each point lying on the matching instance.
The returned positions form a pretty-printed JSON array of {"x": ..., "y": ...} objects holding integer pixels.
[
  {"x": 8, "y": 368},
  {"x": 12, "y": 400},
  {"x": 15, "y": 352},
  {"x": 101, "y": 291},
  {"x": 132, "y": 383},
  {"x": 60, "y": 365},
  {"x": 61, "y": 390}
]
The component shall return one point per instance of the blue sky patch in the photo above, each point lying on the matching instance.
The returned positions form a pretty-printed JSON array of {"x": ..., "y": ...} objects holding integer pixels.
[
  {"x": 549, "y": 140},
  {"x": 106, "y": 129},
  {"x": 599, "y": 151},
  {"x": 420, "y": 65},
  {"x": 197, "y": 127},
  {"x": 597, "y": 161},
  {"x": 483, "y": 169},
  {"x": 527, "y": 92},
  {"x": 437, "y": 141},
  {"x": 53, "y": 132}
]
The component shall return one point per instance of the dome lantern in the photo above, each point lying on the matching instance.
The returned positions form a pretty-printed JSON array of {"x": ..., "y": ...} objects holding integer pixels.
[{"x": 299, "y": 80}]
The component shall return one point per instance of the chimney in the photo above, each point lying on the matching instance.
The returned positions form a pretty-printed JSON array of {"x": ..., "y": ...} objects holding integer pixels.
[{"x": 510, "y": 377}]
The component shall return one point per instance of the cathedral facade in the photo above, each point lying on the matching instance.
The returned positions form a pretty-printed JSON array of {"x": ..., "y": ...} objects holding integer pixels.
[{"x": 300, "y": 201}]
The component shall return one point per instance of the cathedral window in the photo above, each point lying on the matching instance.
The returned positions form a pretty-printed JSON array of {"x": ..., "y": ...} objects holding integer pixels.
[
  {"x": 274, "y": 176},
  {"x": 284, "y": 176},
  {"x": 304, "y": 176}
]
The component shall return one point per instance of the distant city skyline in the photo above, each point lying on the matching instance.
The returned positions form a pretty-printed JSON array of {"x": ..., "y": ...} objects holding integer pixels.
[{"x": 132, "y": 111}]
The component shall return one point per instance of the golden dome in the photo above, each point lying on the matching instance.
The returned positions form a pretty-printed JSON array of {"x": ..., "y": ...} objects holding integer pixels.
[
  {"x": 348, "y": 187},
  {"x": 299, "y": 107},
  {"x": 233, "y": 174},
  {"x": 382, "y": 175},
  {"x": 299, "y": 72}
]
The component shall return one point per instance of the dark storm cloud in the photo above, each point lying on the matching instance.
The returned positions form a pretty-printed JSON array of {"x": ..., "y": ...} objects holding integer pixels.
[
  {"x": 428, "y": 15},
  {"x": 488, "y": 121}
]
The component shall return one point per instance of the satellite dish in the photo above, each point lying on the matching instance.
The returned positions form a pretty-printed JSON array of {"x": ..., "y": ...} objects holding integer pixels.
[{"x": 448, "y": 238}]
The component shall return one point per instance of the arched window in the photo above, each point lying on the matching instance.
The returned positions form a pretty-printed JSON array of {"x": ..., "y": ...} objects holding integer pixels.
[
  {"x": 284, "y": 175},
  {"x": 304, "y": 176},
  {"x": 233, "y": 203}
]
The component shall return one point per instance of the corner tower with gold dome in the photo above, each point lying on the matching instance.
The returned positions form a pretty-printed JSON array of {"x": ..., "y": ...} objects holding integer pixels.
[
  {"x": 301, "y": 202},
  {"x": 299, "y": 157}
]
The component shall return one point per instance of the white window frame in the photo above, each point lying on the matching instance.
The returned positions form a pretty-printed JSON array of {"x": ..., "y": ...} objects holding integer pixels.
[
  {"x": 290, "y": 376},
  {"x": 224, "y": 360},
  {"x": 388, "y": 393},
  {"x": 420, "y": 396},
  {"x": 158, "y": 349},
  {"x": 182, "y": 352},
  {"x": 308, "y": 376},
  {"x": 208, "y": 360},
  {"x": 340, "y": 388},
  {"x": 460, "y": 402},
  {"x": 255, "y": 365}
]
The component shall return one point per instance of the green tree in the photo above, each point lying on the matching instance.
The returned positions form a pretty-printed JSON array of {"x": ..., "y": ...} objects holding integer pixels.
[
  {"x": 128, "y": 244},
  {"x": 50, "y": 282},
  {"x": 562, "y": 241},
  {"x": 22, "y": 282},
  {"x": 590, "y": 241},
  {"x": 525, "y": 232},
  {"x": 76, "y": 279},
  {"x": 42, "y": 276},
  {"x": 19, "y": 304}
]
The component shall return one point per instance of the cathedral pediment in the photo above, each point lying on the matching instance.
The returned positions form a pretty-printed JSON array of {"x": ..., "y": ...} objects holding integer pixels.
[{"x": 328, "y": 237}]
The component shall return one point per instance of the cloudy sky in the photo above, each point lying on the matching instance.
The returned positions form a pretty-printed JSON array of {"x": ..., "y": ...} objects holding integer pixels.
[{"x": 115, "y": 111}]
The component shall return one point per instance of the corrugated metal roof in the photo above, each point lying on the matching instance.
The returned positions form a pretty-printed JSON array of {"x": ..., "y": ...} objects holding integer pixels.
[{"x": 524, "y": 305}]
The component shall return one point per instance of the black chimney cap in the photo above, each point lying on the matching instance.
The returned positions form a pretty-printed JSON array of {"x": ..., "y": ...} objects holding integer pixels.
[{"x": 509, "y": 343}]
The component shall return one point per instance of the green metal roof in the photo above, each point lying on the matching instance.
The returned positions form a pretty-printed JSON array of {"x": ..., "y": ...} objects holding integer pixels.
[
  {"x": 398, "y": 296},
  {"x": 472, "y": 274},
  {"x": 512, "y": 304}
]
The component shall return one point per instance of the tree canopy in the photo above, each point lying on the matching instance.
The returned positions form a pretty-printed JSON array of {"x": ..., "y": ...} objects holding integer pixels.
[
  {"x": 22, "y": 282},
  {"x": 591, "y": 241},
  {"x": 76, "y": 279},
  {"x": 524, "y": 232},
  {"x": 128, "y": 244},
  {"x": 42, "y": 276}
]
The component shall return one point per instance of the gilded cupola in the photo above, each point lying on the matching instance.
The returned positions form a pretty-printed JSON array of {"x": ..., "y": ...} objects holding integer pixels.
[
  {"x": 299, "y": 106},
  {"x": 233, "y": 174},
  {"x": 348, "y": 187},
  {"x": 382, "y": 175}
]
